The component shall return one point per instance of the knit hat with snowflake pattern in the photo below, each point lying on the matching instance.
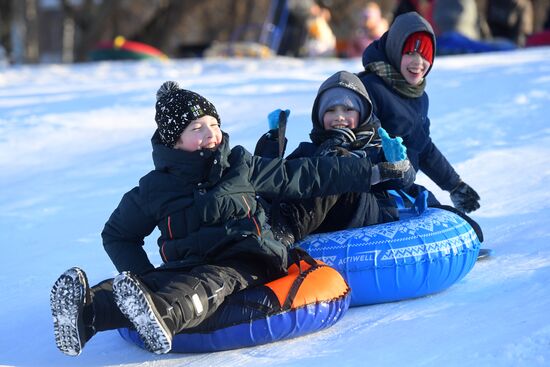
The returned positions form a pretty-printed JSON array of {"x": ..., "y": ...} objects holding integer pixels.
[{"x": 176, "y": 108}]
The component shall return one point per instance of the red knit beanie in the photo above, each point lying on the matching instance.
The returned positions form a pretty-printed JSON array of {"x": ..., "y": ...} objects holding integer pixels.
[{"x": 422, "y": 43}]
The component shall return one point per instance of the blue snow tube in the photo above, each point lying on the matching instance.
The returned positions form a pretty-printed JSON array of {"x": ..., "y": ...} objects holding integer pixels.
[
  {"x": 454, "y": 43},
  {"x": 393, "y": 261},
  {"x": 312, "y": 297}
]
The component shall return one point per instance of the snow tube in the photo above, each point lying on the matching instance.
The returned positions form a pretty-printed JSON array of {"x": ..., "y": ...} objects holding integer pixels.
[
  {"x": 393, "y": 261},
  {"x": 454, "y": 43},
  {"x": 122, "y": 49},
  {"x": 310, "y": 298}
]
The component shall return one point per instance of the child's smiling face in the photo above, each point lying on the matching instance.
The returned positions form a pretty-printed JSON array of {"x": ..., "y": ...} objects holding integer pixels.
[
  {"x": 414, "y": 67},
  {"x": 202, "y": 133},
  {"x": 340, "y": 116}
]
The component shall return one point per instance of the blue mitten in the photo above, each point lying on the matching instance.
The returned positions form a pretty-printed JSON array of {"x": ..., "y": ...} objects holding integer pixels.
[
  {"x": 394, "y": 150},
  {"x": 273, "y": 118}
]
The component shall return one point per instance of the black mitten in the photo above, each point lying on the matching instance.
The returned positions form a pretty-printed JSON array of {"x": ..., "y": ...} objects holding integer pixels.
[{"x": 465, "y": 198}]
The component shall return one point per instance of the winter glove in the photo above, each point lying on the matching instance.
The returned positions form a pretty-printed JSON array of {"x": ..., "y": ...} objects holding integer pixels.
[
  {"x": 273, "y": 118},
  {"x": 390, "y": 171},
  {"x": 394, "y": 150},
  {"x": 465, "y": 198}
]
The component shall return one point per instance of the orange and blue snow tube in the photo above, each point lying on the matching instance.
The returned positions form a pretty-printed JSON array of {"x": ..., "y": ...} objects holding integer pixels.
[{"x": 312, "y": 297}]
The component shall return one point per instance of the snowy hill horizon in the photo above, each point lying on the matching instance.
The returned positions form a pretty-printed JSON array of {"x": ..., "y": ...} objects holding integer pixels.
[{"x": 75, "y": 138}]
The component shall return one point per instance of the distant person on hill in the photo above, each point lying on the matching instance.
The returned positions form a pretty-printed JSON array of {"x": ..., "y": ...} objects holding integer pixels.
[
  {"x": 510, "y": 19},
  {"x": 422, "y": 7},
  {"x": 320, "y": 40},
  {"x": 307, "y": 32},
  {"x": 459, "y": 16},
  {"x": 296, "y": 30},
  {"x": 372, "y": 25}
]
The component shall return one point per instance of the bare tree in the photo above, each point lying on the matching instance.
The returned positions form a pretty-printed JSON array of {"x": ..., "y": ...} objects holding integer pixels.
[
  {"x": 18, "y": 32},
  {"x": 5, "y": 25},
  {"x": 90, "y": 20},
  {"x": 161, "y": 24},
  {"x": 32, "y": 47},
  {"x": 19, "y": 25}
]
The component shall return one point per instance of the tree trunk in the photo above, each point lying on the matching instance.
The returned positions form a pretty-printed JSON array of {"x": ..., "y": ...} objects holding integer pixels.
[
  {"x": 32, "y": 48},
  {"x": 67, "y": 52},
  {"x": 18, "y": 32},
  {"x": 89, "y": 24},
  {"x": 161, "y": 25}
]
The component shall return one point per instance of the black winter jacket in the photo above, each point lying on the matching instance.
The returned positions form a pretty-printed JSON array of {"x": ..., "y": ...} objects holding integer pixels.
[
  {"x": 406, "y": 117},
  {"x": 268, "y": 147},
  {"x": 354, "y": 209},
  {"x": 204, "y": 204}
]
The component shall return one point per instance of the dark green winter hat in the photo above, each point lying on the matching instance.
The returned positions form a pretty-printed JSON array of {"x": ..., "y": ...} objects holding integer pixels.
[{"x": 176, "y": 108}]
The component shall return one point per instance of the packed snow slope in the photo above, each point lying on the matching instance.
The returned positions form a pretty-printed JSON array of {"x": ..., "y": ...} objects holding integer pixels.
[{"x": 75, "y": 138}]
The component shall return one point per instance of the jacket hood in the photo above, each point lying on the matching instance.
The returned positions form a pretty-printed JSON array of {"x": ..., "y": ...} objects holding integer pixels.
[
  {"x": 390, "y": 45},
  {"x": 201, "y": 166},
  {"x": 342, "y": 79}
]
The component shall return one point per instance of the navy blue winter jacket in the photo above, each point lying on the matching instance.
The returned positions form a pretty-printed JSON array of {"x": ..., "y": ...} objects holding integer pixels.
[{"x": 403, "y": 116}]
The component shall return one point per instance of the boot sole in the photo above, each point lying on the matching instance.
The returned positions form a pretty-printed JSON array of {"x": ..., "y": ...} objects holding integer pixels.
[
  {"x": 67, "y": 300},
  {"x": 135, "y": 303}
]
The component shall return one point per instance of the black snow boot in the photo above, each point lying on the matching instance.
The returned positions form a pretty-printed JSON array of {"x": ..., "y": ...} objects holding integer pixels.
[
  {"x": 69, "y": 297},
  {"x": 156, "y": 319}
]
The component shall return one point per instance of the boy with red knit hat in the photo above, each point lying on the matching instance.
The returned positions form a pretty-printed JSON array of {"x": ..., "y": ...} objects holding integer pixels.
[
  {"x": 422, "y": 43},
  {"x": 417, "y": 57},
  {"x": 395, "y": 73}
]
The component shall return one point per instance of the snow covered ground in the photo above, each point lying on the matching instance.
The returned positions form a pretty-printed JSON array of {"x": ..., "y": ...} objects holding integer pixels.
[{"x": 74, "y": 138}]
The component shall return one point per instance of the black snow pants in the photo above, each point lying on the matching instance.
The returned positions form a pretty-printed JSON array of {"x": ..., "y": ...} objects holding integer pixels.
[
  {"x": 335, "y": 212},
  {"x": 215, "y": 282}
]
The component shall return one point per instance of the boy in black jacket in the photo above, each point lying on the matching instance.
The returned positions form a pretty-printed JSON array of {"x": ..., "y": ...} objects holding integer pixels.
[
  {"x": 343, "y": 125},
  {"x": 214, "y": 238}
]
